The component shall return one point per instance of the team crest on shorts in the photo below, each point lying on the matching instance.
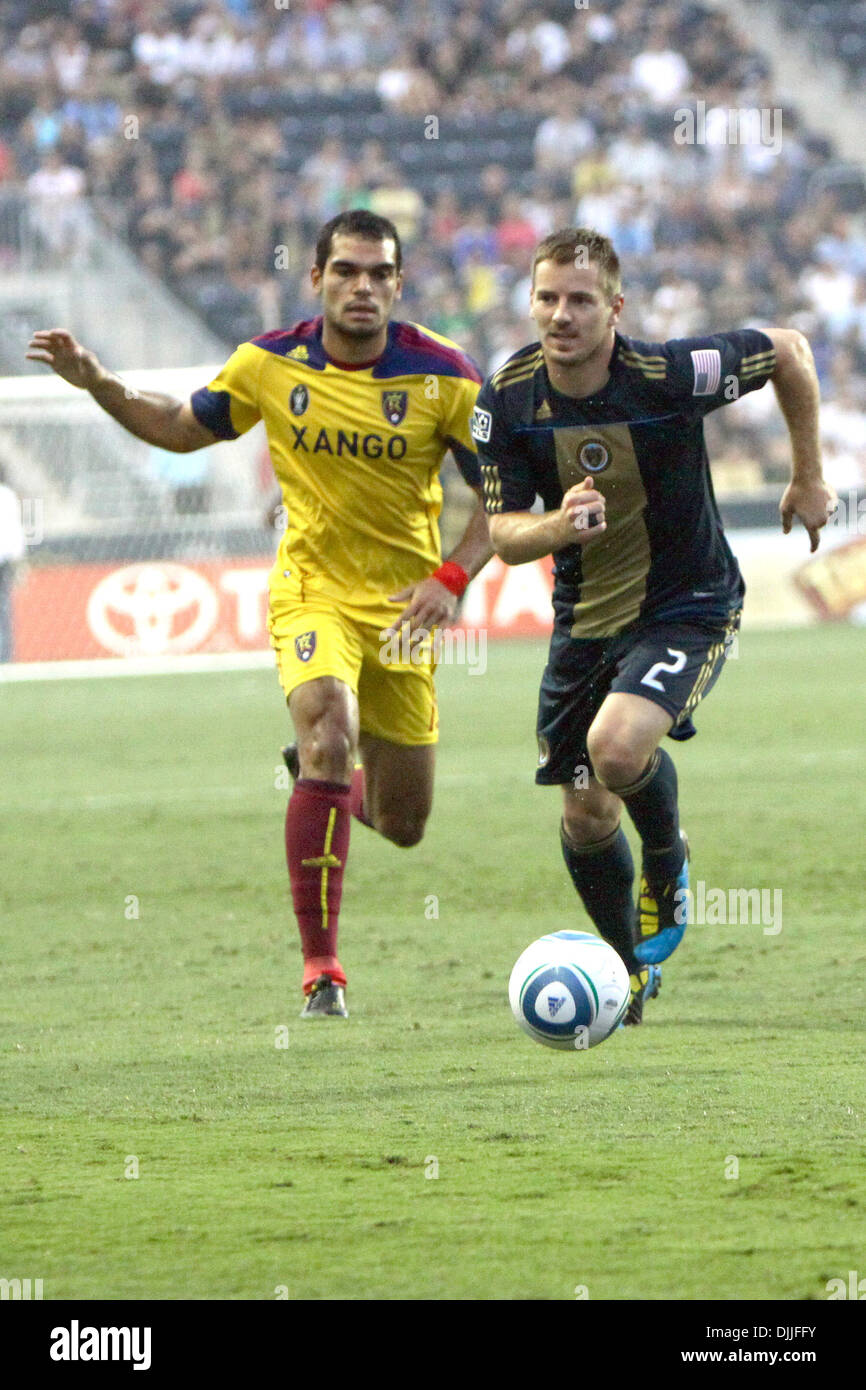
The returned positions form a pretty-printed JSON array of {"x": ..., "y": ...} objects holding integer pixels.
[
  {"x": 543, "y": 751},
  {"x": 305, "y": 645},
  {"x": 394, "y": 405},
  {"x": 593, "y": 455},
  {"x": 299, "y": 399}
]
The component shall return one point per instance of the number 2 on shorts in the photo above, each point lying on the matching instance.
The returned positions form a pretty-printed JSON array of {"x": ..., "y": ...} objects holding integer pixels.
[{"x": 673, "y": 667}]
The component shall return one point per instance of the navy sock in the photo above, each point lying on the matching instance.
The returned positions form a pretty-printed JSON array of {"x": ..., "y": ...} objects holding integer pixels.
[
  {"x": 651, "y": 802},
  {"x": 603, "y": 874}
]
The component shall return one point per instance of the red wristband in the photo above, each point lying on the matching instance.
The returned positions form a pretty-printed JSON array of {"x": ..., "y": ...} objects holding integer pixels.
[{"x": 453, "y": 576}]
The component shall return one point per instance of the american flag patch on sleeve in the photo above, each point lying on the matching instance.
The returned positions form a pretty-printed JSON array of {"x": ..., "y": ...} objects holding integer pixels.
[{"x": 707, "y": 365}]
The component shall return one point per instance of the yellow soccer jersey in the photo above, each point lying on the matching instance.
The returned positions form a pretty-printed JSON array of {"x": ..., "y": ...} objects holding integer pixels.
[{"x": 356, "y": 451}]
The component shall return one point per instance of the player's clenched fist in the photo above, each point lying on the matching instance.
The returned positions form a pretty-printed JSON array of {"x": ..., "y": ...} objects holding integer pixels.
[
  {"x": 59, "y": 350},
  {"x": 583, "y": 509}
]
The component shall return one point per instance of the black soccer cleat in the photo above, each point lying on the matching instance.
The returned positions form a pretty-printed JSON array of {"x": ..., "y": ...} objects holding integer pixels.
[
  {"x": 292, "y": 760},
  {"x": 644, "y": 985},
  {"x": 325, "y": 1000}
]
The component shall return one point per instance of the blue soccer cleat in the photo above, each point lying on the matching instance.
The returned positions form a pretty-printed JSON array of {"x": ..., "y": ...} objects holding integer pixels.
[
  {"x": 662, "y": 921},
  {"x": 644, "y": 985}
]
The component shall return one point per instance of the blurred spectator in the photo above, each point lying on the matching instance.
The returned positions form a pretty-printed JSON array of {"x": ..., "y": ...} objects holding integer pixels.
[
  {"x": 636, "y": 159},
  {"x": 675, "y": 310},
  {"x": 660, "y": 72},
  {"x": 482, "y": 282},
  {"x": 395, "y": 83},
  {"x": 326, "y": 174},
  {"x": 452, "y": 318},
  {"x": 158, "y": 50},
  {"x": 830, "y": 290},
  {"x": 475, "y": 241},
  {"x": 45, "y": 121},
  {"x": 493, "y": 184},
  {"x": 593, "y": 173},
  {"x": 93, "y": 110},
  {"x": 515, "y": 234},
  {"x": 843, "y": 247},
  {"x": 216, "y": 47},
  {"x": 844, "y": 463},
  {"x": 184, "y": 478},
  {"x": 56, "y": 192},
  {"x": 539, "y": 39},
  {"x": 564, "y": 135},
  {"x": 28, "y": 61},
  {"x": 843, "y": 429},
  {"x": 192, "y": 183},
  {"x": 69, "y": 56},
  {"x": 633, "y": 227},
  {"x": 395, "y": 198},
  {"x": 445, "y": 218},
  {"x": 373, "y": 163}
]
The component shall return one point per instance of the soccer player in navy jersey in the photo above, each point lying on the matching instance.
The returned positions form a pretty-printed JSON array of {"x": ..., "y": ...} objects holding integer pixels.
[{"x": 608, "y": 432}]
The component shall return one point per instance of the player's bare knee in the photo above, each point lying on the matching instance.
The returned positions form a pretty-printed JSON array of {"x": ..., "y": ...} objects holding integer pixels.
[
  {"x": 583, "y": 826},
  {"x": 615, "y": 763},
  {"x": 326, "y": 753}
]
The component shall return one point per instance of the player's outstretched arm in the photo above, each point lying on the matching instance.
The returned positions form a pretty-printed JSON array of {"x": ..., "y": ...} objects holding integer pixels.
[
  {"x": 521, "y": 536},
  {"x": 155, "y": 418},
  {"x": 807, "y": 496}
]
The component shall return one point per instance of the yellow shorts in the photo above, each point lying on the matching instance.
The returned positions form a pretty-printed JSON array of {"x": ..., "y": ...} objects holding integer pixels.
[{"x": 316, "y": 637}]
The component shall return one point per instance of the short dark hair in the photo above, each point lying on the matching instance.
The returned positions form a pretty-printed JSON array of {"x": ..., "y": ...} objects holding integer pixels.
[
  {"x": 357, "y": 222},
  {"x": 571, "y": 242}
]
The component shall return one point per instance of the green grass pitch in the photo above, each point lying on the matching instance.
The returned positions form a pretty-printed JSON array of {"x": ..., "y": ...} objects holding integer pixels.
[{"x": 171, "y": 1130}]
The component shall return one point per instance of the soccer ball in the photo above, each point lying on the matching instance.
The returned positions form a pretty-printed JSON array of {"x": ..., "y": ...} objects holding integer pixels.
[{"x": 569, "y": 990}]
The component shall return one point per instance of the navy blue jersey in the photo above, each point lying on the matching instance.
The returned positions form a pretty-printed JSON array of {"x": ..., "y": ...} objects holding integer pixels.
[{"x": 641, "y": 440}]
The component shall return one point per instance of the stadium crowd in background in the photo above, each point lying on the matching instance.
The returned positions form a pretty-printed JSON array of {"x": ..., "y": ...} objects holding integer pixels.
[{"x": 215, "y": 137}]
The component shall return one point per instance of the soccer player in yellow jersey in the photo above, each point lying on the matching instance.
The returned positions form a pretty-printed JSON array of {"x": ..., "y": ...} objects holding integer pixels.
[{"x": 359, "y": 411}]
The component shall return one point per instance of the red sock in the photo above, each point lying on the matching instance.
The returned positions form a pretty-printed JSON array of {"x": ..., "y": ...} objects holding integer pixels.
[
  {"x": 317, "y": 843},
  {"x": 356, "y": 797}
]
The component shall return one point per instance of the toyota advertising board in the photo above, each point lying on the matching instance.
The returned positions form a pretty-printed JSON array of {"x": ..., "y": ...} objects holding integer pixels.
[{"x": 163, "y": 608}]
